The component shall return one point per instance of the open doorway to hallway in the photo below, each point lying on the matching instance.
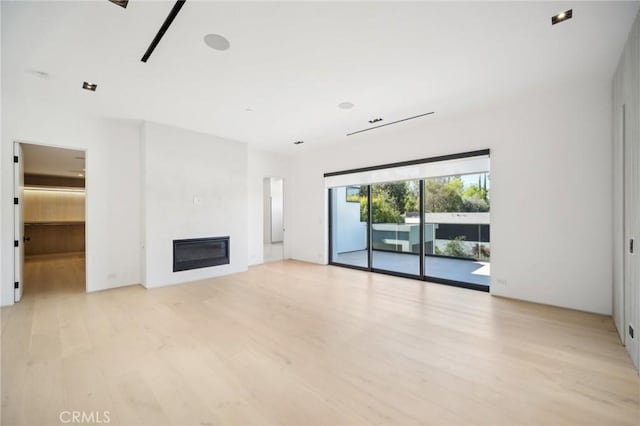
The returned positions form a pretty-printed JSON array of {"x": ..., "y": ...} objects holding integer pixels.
[
  {"x": 50, "y": 220},
  {"x": 273, "y": 219}
]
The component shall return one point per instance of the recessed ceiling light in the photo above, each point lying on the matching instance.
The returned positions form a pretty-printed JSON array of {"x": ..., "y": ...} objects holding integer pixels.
[
  {"x": 561, "y": 17},
  {"x": 298, "y": 142},
  {"x": 89, "y": 86},
  {"x": 217, "y": 42},
  {"x": 375, "y": 120},
  {"x": 121, "y": 3},
  {"x": 248, "y": 109},
  {"x": 345, "y": 105}
]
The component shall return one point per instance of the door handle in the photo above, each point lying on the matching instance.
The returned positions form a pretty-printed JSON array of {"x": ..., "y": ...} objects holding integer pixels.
[
  {"x": 25, "y": 239},
  {"x": 631, "y": 245}
]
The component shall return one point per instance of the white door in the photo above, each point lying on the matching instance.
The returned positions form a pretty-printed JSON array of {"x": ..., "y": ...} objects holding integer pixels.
[
  {"x": 18, "y": 166},
  {"x": 631, "y": 223}
]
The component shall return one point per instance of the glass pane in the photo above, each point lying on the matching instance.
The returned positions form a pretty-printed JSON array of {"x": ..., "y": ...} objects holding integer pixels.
[
  {"x": 349, "y": 243},
  {"x": 395, "y": 227},
  {"x": 456, "y": 238}
]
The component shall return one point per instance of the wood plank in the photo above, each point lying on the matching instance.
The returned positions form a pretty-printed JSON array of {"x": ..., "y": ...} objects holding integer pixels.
[
  {"x": 43, "y": 205},
  {"x": 295, "y": 343}
]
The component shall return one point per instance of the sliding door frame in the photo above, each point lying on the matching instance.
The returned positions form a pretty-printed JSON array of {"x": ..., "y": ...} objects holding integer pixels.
[
  {"x": 369, "y": 268},
  {"x": 330, "y": 229}
]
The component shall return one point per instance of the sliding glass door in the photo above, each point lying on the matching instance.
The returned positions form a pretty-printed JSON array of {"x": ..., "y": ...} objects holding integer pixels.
[
  {"x": 395, "y": 227},
  {"x": 349, "y": 232},
  {"x": 456, "y": 229},
  {"x": 426, "y": 219}
]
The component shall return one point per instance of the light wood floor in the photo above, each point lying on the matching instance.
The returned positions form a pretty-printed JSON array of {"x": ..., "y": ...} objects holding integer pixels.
[{"x": 298, "y": 344}]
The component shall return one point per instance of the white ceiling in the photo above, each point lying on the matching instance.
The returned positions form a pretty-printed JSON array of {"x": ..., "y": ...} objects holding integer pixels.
[
  {"x": 292, "y": 63},
  {"x": 44, "y": 160}
]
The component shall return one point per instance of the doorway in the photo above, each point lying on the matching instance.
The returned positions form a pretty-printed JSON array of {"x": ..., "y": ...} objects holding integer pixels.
[
  {"x": 273, "y": 219},
  {"x": 434, "y": 227},
  {"x": 50, "y": 217}
]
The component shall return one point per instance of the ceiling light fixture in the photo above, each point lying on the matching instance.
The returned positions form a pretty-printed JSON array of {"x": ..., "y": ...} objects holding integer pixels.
[
  {"x": 345, "y": 105},
  {"x": 121, "y": 3},
  {"x": 89, "y": 86},
  {"x": 217, "y": 42},
  {"x": 298, "y": 142},
  {"x": 561, "y": 17},
  {"x": 163, "y": 29},
  {"x": 375, "y": 120},
  {"x": 389, "y": 124},
  {"x": 54, "y": 189}
]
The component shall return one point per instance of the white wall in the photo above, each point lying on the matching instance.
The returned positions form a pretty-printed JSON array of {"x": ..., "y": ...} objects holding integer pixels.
[
  {"x": 263, "y": 165},
  {"x": 551, "y": 183},
  {"x": 626, "y": 295},
  {"x": 112, "y": 158},
  {"x": 180, "y": 165},
  {"x": 115, "y": 189},
  {"x": 4, "y": 296}
]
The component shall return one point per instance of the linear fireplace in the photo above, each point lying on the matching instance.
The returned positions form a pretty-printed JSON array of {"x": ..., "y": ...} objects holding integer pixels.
[{"x": 197, "y": 253}]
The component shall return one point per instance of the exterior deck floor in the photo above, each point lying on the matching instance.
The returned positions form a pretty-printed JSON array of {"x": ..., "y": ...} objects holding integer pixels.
[{"x": 467, "y": 271}]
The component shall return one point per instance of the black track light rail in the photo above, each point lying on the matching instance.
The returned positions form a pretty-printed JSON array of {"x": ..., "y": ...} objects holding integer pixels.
[{"x": 163, "y": 29}]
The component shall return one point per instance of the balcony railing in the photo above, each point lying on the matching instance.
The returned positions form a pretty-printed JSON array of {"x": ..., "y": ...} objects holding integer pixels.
[{"x": 458, "y": 235}]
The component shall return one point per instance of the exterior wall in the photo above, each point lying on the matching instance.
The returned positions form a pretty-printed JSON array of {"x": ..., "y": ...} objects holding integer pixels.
[{"x": 349, "y": 233}]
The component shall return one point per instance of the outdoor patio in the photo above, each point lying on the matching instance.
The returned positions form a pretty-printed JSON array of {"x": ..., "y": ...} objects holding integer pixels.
[{"x": 468, "y": 271}]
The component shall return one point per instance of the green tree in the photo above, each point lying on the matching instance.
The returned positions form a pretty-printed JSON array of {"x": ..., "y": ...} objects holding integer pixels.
[
  {"x": 475, "y": 191},
  {"x": 443, "y": 195},
  {"x": 384, "y": 211},
  {"x": 474, "y": 204},
  {"x": 391, "y": 202},
  {"x": 449, "y": 195},
  {"x": 474, "y": 199},
  {"x": 395, "y": 193},
  {"x": 454, "y": 248}
]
